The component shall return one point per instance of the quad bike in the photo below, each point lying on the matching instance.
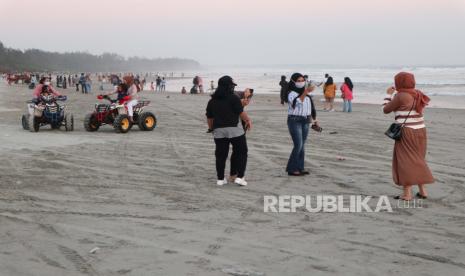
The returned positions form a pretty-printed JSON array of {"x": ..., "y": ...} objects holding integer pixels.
[
  {"x": 46, "y": 111},
  {"x": 115, "y": 113}
]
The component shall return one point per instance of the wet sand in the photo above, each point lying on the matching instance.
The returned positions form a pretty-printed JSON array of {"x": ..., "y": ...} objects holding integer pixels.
[{"x": 149, "y": 202}]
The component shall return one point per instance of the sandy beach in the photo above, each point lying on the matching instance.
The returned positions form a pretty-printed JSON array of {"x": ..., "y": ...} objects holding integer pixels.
[{"x": 146, "y": 203}]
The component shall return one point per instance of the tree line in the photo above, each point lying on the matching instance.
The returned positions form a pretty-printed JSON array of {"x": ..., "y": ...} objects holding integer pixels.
[{"x": 34, "y": 60}]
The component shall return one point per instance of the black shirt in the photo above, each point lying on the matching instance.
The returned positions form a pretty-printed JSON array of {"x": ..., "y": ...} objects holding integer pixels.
[{"x": 225, "y": 112}]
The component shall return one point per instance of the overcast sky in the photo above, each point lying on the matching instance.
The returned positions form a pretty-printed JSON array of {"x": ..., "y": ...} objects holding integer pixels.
[{"x": 237, "y": 32}]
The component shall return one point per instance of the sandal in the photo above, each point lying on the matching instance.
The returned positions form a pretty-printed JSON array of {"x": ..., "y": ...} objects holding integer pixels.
[
  {"x": 421, "y": 196},
  {"x": 401, "y": 198},
  {"x": 295, "y": 174}
]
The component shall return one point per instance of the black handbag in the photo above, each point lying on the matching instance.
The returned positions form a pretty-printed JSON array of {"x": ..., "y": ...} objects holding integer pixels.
[{"x": 395, "y": 130}]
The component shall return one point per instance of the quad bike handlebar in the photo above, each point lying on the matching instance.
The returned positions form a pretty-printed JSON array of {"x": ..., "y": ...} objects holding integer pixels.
[
  {"x": 106, "y": 97},
  {"x": 57, "y": 98}
]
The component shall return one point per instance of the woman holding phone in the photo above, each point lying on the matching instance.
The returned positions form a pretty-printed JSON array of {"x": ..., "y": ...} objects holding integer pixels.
[{"x": 301, "y": 111}]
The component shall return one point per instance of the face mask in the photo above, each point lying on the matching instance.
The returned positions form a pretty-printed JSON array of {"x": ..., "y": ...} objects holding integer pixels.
[
  {"x": 300, "y": 84},
  {"x": 47, "y": 83}
]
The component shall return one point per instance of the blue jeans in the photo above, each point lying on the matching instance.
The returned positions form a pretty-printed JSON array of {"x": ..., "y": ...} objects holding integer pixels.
[
  {"x": 347, "y": 106},
  {"x": 298, "y": 128}
]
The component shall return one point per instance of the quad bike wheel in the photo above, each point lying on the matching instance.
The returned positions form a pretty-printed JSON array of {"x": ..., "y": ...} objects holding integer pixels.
[
  {"x": 122, "y": 123},
  {"x": 33, "y": 124},
  {"x": 91, "y": 123},
  {"x": 25, "y": 121},
  {"x": 69, "y": 122},
  {"x": 147, "y": 121}
]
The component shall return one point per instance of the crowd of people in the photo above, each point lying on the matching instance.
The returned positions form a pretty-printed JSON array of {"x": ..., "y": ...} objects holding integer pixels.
[
  {"x": 229, "y": 122},
  {"x": 226, "y": 109},
  {"x": 329, "y": 91}
]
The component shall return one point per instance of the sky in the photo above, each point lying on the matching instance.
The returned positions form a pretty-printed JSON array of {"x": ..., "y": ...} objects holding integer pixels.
[{"x": 245, "y": 32}]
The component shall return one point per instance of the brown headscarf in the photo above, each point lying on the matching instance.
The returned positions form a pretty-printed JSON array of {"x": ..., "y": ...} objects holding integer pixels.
[
  {"x": 405, "y": 83},
  {"x": 129, "y": 80}
]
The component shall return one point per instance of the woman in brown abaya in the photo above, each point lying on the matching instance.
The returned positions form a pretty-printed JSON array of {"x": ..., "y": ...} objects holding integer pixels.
[{"x": 408, "y": 163}]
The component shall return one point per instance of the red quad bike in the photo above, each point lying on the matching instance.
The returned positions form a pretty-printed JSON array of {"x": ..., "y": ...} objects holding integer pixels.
[{"x": 116, "y": 113}]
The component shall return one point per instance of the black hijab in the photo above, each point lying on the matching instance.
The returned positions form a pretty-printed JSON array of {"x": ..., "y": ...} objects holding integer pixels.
[
  {"x": 292, "y": 82},
  {"x": 225, "y": 87},
  {"x": 292, "y": 87}
]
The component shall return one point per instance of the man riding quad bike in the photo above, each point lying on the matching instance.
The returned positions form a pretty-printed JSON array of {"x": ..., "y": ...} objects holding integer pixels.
[
  {"x": 44, "y": 110},
  {"x": 116, "y": 113}
]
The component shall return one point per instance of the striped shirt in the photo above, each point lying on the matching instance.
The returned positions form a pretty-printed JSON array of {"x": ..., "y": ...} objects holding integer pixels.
[
  {"x": 412, "y": 119},
  {"x": 303, "y": 109}
]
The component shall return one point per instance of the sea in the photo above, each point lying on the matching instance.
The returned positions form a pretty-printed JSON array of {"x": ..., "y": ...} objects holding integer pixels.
[{"x": 445, "y": 85}]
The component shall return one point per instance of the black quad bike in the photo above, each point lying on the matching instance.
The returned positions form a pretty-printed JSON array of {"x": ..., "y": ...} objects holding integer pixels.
[{"x": 46, "y": 111}]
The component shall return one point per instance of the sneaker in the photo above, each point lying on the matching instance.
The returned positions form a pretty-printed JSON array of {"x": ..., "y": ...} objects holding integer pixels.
[
  {"x": 240, "y": 181},
  {"x": 221, "y": 182}
]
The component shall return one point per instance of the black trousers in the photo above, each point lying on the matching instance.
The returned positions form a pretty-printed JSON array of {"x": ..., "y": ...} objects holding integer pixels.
[{"x": 238, "y": 156}]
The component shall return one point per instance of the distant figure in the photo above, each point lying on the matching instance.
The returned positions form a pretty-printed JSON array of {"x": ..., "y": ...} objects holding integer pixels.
[
  {"x": 347, "y": 94},
  {"x": 65, "y": 83},
  {"x": 183, "y": 90},
  {"x": 34, "y": 80},
  {"x": 88, "y": 83},
  {"x": 163, "y": 84},
  {"x": 329, "y": 91},
  {"x": 151, "y": 86},
  {"x": 158, "y": 83},
  {"x": 408, "y": 162},
  {"x": 309, "y": 82},
  {"x": 82, "y": 82},
  {"x": 326, "y": 77},
  {"x": 200, "y": 82},
  {"x": 283, "y": 83},
  {"x": 195, "y": 89},
  {"x": 76, "y": 82},
  {"x": 212, "y": 86},
  {"x": 144, "y": 81}
]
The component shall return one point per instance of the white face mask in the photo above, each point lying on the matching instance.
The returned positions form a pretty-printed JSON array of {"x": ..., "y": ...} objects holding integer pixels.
[
  {"x": 46, "y": 83},
  {"x": 300, "y": 84}
]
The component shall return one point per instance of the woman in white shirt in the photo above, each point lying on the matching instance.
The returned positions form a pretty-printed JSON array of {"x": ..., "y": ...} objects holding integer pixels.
[{"x": 300, "y": 112}]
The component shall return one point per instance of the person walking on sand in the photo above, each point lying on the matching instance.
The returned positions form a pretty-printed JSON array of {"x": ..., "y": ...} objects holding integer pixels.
[
  {"x": 301, "y": 111},
  {"x": 347, "y": 94},
  {"x": 408, "y": 162},
  {"x": 283, "y": 93},
  {"x": 329, "y": 90},
  {"x": 224, "y": 110}
]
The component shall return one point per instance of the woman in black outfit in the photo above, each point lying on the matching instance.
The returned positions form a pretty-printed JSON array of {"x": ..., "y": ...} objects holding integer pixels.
[{"x": 223, "y": 112}]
